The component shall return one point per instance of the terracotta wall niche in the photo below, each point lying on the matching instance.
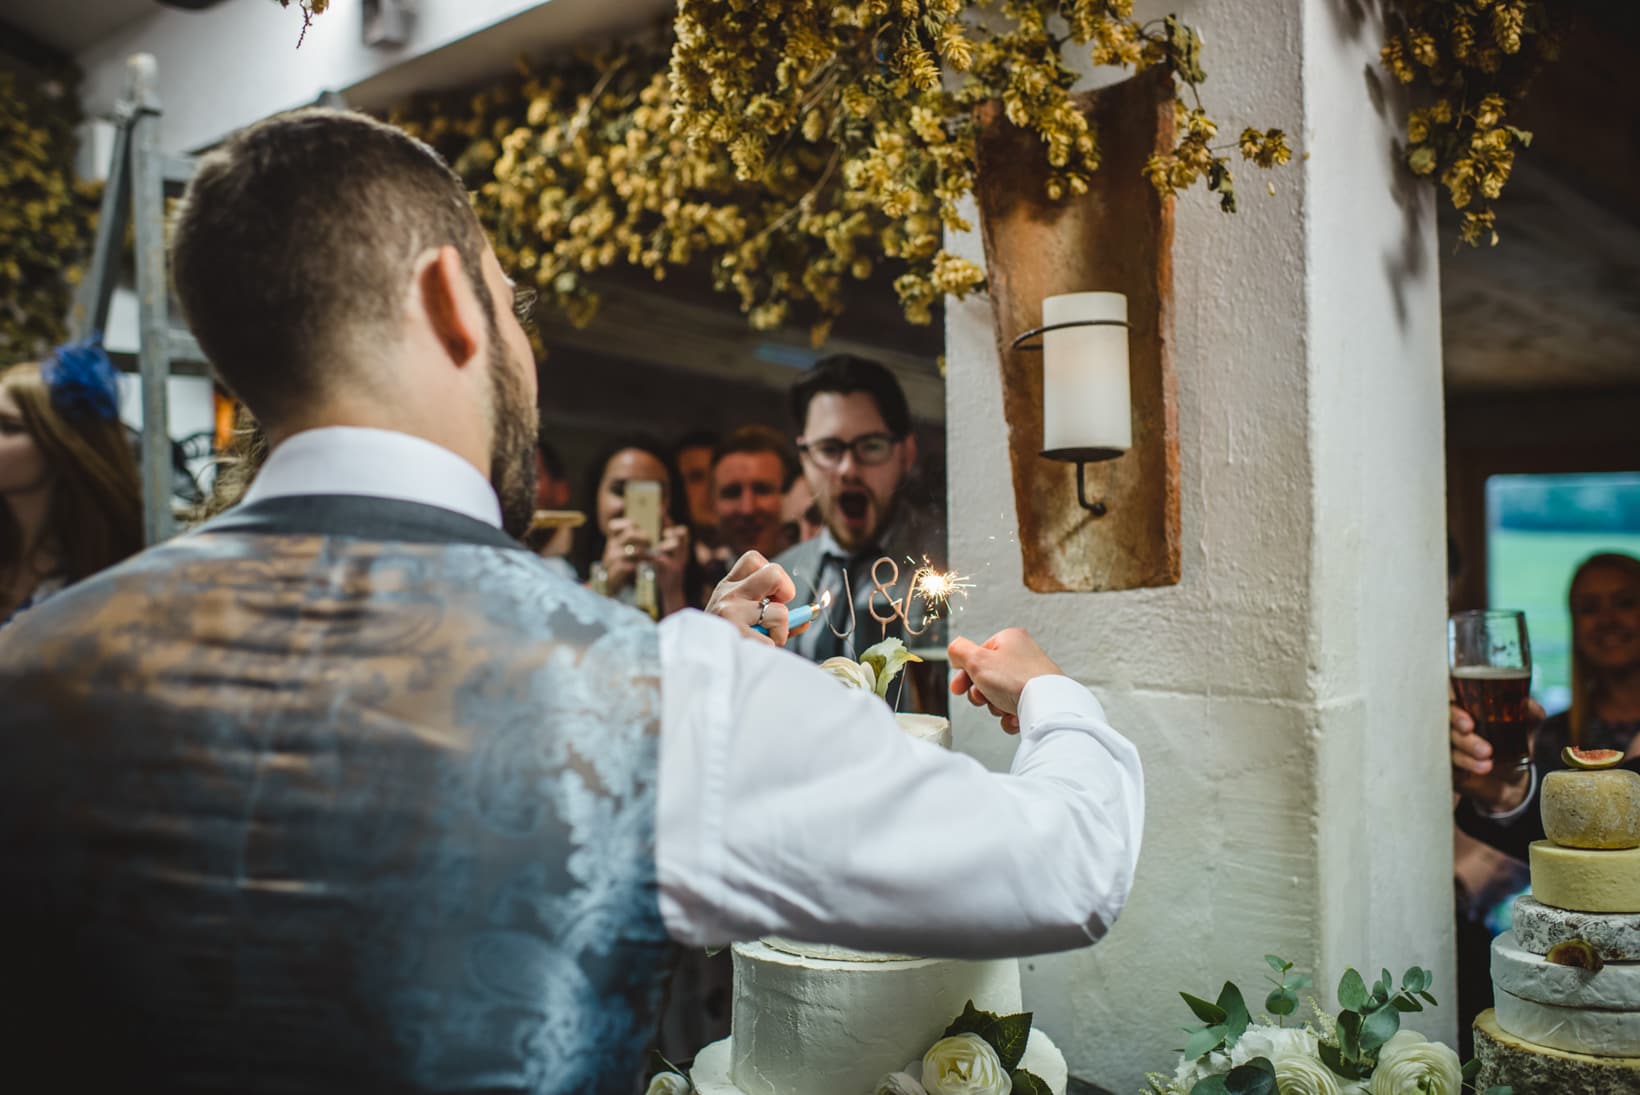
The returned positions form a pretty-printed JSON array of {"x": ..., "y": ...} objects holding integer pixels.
[{"x": 1116, "y": 238}]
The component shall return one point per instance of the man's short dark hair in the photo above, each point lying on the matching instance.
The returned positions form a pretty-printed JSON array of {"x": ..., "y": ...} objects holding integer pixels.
[
  {"x": 695, "y": 439},
  {"x": 760, "y": 439},
  {"x": 845, "y": 373},
  {"x": 294, "y": 244}
]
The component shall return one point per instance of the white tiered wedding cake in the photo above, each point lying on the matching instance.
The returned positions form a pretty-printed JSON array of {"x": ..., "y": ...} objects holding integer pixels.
[{"x": 810, "y": 1019}]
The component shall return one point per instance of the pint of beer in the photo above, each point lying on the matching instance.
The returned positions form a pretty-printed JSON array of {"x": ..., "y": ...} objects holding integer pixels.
[{"x": 1491, "y": 662}]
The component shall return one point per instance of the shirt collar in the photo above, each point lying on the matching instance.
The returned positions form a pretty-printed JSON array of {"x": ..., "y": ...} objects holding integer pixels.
[{"x": 376, "y": 464}]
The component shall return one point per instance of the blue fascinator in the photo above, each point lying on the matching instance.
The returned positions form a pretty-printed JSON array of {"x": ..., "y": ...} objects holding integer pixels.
[{"x": 81, "y": 381}]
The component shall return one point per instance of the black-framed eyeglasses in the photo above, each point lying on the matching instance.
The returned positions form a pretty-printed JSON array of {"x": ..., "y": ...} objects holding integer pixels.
[{"x": 869, "y": 449}]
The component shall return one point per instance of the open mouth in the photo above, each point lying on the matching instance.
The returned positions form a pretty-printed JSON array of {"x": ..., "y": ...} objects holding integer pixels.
[{"x": 854, "y": 504}]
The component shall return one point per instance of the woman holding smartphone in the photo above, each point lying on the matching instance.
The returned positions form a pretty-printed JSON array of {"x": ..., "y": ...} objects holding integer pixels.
[{"x": 636, "y": 548}]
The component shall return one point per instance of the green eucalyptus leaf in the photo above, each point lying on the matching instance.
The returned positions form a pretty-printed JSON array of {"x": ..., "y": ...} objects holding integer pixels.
[
  {"x": 1352, "y": 991},
  {"x": 1008, "y": 1036},
  {"x": 1281, "y": 1002},
  {"x": 1334, "y": 1059},
  {"x": 1205, "y": 1011},
  {"x": 1428, "y": 999},
  {"x": 1277, "y": 963},
  {"x": 1203, "y": 1042},
  {"x": 1379, "y": 1027},
  {"x": 1256, "y": 1077},
  {"x": 1349, "y": 1034},
  {"x": 1415, "y": 979},
  {"x": 1386, "y": 983},
  {"x": 1211, "y": 1085},
  {"x": 1236, "y": 1019},
  {"x": 1403, "y": 1002},
  {"x": 1297, "y": 982},
  {"x": 1470, "y": 1069}
]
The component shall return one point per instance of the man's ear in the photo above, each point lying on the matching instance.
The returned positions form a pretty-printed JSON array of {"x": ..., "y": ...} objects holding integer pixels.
[
  {"x": 452, "y": 309},
  {"x": 910, "y": 457}
]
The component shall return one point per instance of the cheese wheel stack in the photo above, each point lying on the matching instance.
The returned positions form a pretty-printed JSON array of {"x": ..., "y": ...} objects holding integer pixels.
[{"x": 1565, "y": 1021}]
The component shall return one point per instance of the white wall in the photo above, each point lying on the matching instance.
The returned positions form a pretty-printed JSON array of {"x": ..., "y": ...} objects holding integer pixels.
[
  {"x": 223, "y": 68},
  {"x": 1378, "y": 545},
  {"x": 1295, "y": 675}
]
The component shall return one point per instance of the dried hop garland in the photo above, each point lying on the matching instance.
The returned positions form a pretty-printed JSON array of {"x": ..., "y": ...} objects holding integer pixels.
[
  {"x": 801, "y": 147},
  {"x": 1475, "y": 58},
  {"x": 46, "y": 215},
  {"x": 883, "y": 93}
]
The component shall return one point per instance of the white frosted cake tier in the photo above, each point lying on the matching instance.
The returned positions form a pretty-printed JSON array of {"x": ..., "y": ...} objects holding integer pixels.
[
  {"x": 933, "y": 729},
  {"x": 831, "y": 952},
  {"x": 813, "y": 1026}
]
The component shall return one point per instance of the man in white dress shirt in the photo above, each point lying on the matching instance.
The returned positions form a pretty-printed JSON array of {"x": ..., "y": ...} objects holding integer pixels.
[{"x": 347, "y": 792}]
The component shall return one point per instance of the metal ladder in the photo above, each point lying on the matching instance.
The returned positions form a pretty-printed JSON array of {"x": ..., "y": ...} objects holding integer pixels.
[{"x": 139, "y": 178}]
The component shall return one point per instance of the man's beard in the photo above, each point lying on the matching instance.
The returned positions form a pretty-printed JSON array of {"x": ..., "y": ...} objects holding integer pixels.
[{"x": 512, "y": 451}]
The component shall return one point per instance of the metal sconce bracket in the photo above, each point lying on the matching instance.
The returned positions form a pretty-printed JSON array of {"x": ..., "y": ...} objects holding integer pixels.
[{"x": 1081, "y": 457}]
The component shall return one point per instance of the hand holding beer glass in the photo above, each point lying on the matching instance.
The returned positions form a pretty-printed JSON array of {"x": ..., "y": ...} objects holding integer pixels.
[{"x": 1491, "y": 664}]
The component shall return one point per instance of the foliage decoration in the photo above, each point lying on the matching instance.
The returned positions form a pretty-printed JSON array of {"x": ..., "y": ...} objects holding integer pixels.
[
  {"x": 1473, "y": 60},
  {"x": 46, "y": 214},
  {"x": 575, "y": 169},
  {"x": 797, "y": 148},
  {"x": 885, "y": 90},
  {"x": 310, "y": 8},
  {"x": 1360, "y": 1050}
]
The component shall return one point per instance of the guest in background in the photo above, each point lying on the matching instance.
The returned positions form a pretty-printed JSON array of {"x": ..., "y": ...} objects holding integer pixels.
[
  {"x": 858, "y": 454},
  {"x": 1485, "y": 885},
  {"x": 1502, "y": 807},
  {"x": 614, "y": 555},
  {"x": 693, "y": 458},
  {"x": 799, "y": 516},
  {"x": 751, "y": 469},
  {"x": 552, "y": 492},
  {"x": 68, "y": 477}
]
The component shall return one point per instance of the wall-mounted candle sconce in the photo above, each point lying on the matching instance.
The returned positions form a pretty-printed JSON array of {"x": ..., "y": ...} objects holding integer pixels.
[{"x": 1087, "y": 411}]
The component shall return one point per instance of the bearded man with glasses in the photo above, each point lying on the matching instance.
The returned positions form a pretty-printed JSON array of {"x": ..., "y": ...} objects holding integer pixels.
[{"x": 858, "y": 452}]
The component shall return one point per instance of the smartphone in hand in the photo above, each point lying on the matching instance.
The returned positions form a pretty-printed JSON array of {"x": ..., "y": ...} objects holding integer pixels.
[{"x": 643, "y": 507}]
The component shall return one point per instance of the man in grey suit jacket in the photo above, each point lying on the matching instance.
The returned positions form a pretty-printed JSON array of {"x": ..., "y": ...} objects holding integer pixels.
[{"x": 858, "y": 451}]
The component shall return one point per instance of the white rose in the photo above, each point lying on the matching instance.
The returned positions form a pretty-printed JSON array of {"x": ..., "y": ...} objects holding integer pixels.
[
  {"x": 1409, "y": 1065},
  {"x": 851, "y": 673},
  {"x": 964, "y": 1064},
  {"x": 1298, "y": 1074},
  {"x": 669, "y": 1083},
  {"x": 1273, "y": 1042},
  {"x": 899, "y": 1083}
]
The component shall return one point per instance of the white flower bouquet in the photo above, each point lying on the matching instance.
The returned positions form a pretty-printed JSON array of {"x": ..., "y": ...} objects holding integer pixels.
[
  {"x": 979, "y": 1054},
  {"x": 1360, "y": 1051}
]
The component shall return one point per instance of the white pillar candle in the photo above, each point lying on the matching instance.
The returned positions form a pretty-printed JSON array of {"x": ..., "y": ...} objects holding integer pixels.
[{"x": 1085, "y": 402}]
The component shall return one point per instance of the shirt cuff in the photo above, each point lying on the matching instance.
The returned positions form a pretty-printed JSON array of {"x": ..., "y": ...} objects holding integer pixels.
[
  {"x": 1504, "y": 817},
  {"x": 1052, "y": 699}
]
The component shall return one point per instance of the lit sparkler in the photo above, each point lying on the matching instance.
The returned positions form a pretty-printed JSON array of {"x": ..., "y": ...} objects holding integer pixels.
[{"x": 937, "y": 587}]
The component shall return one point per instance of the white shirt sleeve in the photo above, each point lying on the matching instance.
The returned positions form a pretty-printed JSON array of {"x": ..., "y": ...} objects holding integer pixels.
[{"x": 789, "y": 804}]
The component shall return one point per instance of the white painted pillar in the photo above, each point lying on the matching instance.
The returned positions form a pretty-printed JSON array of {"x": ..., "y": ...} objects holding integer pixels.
[{"x": 1288, "y": 696}]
